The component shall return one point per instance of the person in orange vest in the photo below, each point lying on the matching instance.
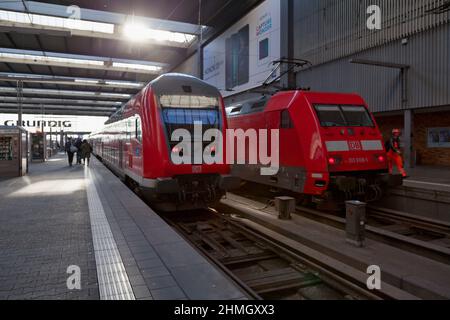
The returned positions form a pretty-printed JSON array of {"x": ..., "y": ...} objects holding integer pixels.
[{"x": 394, "y": 153}]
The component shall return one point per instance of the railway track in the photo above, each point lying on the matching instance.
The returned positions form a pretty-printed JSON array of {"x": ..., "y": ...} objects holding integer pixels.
[
  {"x": 422, "y": 236},
  {"x": 258, "y": 264}
]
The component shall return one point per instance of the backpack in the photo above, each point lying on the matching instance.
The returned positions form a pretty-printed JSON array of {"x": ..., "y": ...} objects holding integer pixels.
[{"x": 73, "y": 149}]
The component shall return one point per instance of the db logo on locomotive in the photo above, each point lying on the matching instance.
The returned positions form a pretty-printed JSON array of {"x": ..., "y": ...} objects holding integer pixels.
[{"x": 355, "y": 145}]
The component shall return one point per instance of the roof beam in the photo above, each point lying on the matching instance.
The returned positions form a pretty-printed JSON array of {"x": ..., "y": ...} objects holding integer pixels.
[
  {"x": 62, "y": 107},
  {"x": 73, "y": 81},
  {"x": 62, "y": 101},
  {"x": 54, "y": 92},
  {"x": 60, "y": 112},
  {"x": 80, "y": 61}
]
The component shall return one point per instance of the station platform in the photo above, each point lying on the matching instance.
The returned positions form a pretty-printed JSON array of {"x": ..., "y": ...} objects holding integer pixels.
[
  {"x": 61, "y": 226},
  {"x": 429, "y": 178},
  {"x": 426, "y": 192}
]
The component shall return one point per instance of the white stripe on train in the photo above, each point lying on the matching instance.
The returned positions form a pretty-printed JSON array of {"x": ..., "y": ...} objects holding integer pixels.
[{"x": 343, "y": 146}]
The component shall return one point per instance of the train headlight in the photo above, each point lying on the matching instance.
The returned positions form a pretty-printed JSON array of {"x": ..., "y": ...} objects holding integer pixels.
[
  {"x": 380, "y": 158},
  {"x": 334, "y": 160}
]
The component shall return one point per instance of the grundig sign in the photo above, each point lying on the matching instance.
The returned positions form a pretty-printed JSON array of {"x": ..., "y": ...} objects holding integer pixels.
[{"x": 39, "y": 123}]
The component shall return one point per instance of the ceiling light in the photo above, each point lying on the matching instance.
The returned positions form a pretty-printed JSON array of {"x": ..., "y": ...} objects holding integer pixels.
[
  {"x": 135, "y": 66},
  {"x": 56, "y": 22}
]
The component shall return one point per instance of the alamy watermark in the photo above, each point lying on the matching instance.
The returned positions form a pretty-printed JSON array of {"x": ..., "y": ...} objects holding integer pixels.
[
  {"x": 242, "y": 147},
  {"x": 374, "y": 20},
  {"x": 74, "y": 280},
  {"x": 374, "y": 280}
]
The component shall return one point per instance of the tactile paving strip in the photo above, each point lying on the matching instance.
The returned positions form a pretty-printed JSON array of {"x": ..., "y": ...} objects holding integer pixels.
[{"x": 113, "y": 281}]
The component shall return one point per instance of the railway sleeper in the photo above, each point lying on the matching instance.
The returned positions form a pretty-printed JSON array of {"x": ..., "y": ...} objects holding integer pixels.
[
  {"x": 290, "y": 280},
  {"x": 248, "y": 258}
]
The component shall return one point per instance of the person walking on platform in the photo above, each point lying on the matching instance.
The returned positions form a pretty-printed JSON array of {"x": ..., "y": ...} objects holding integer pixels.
[
  {"x": 77, "y": 144},
  {"x": 70, "y": 150},
  {"x": 394, "y": 153},
  {"x": 86, "y": 150}
]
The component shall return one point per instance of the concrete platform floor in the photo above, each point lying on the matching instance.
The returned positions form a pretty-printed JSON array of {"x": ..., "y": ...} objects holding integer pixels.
[
  {"x": 429, "y": 178},
  {"x": 425, "y": 193},
  {"x": 58, "y": 217}
]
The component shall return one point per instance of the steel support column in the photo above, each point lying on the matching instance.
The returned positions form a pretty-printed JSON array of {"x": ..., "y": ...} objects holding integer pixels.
[
  {"x": 408, "y": 138},
  {"x": 19, "y": 101},
  {"x": 408, "y": 114},
  {"x": 287, "y": 42}
]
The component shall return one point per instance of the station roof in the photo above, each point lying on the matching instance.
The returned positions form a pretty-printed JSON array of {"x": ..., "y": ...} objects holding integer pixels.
[{"x": 90, "y": 57}]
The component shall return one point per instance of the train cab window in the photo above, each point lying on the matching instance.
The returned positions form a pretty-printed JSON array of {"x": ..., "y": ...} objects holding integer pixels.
[
  {"x": 183, "y": 111},
  {"x": 357, "y": 116},
  {"x": 138, "y": 129},
  {"x": 330, "y": 116},
  {"x": 259, "y": 105},
  {"x": 343, "y": 116},
  {"x": 286, "y": 121}
]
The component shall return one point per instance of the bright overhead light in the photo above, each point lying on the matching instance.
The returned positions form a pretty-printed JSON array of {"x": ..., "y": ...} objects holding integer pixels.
[
  {"x": 139, "y": 32},
  {"x": 135, "y": 66},
  {"x": 77, "y": 61},
  {"x": 123, "y": 83},
  {"x": 112, "y": 83},
  {"x": 56, "y": 22},
  {"x": 86, "y": 81}
]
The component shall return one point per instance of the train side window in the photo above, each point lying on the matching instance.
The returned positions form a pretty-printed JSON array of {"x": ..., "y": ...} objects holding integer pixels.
[
  {"x": 286, "y": 121},
  {"x": 138, "y": 129}
]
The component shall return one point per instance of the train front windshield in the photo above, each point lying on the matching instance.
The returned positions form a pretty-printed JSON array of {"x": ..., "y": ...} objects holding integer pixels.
[
  {"x": 183, "y": 111},
  {"x": 343, "y": 116}
]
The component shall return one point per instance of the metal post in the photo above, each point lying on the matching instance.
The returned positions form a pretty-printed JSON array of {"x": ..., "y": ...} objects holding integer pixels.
[
  {"x": 408, "y": 139},
  {"x": 285, "y": 207},
  {"x": 19, "y": 101},
  {"x": 200, "y": 42},
  {"x": 355, "y": 222},
  {"x": 61, "y": 140}
]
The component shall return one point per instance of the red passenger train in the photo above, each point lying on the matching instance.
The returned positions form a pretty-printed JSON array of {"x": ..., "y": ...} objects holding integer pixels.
[
  {"x": 330, "y": 146},
  {"x": 136, "y": 143}
]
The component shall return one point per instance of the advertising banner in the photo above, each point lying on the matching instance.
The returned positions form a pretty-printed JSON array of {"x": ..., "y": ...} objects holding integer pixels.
[
  {"x": 54, "y": 123},
  {"x": 241, "y": 58}
]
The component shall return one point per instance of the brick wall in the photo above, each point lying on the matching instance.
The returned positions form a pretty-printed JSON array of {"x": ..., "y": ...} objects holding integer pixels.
[{"x": 425, "y": 155}]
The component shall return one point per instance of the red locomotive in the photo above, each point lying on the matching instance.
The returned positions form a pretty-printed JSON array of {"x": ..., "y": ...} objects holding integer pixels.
[
  {"x": 136, "y": 143},
  {"x": 330, "y": 146}
]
